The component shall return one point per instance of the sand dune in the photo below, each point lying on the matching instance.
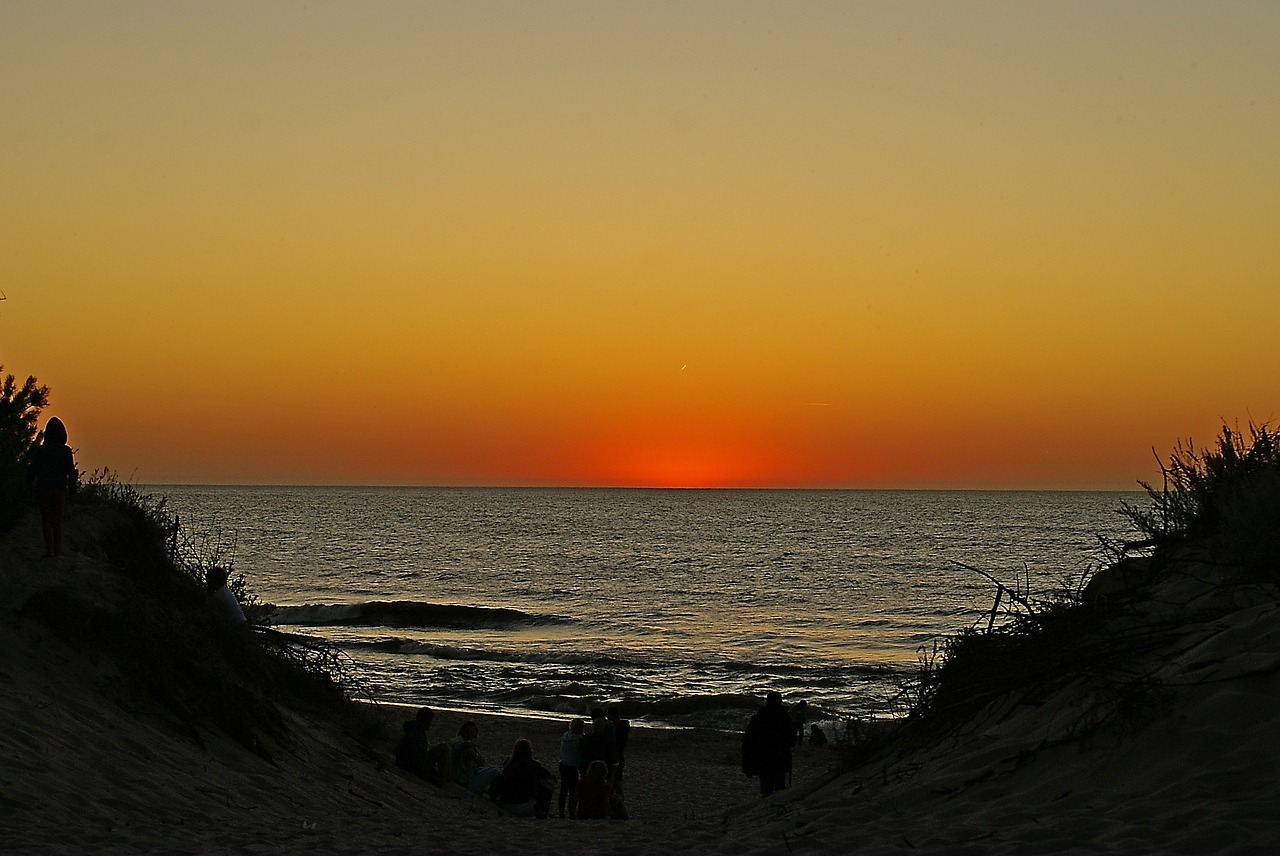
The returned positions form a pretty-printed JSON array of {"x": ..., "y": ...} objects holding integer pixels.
[{"x": 1186, "y": 766}]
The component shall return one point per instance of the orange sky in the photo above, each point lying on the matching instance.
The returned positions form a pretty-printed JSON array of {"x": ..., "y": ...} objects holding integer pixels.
[{"x": 688, "y": 244}]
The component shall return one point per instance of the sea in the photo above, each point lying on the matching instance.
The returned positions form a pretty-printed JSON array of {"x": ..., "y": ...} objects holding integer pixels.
[{"x": 683, "y": 607}]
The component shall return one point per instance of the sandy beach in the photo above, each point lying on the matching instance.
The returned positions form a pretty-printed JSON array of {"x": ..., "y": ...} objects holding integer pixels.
[{"x": 89, "y": 765}]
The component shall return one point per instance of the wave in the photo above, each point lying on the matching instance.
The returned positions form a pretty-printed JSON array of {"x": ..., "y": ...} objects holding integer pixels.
[
  {"x": 728, "y": 710},
  {"x": 406, "y": 613},
  {"x": 671, "y": 709},
  {"x": 721, "y": 711},
  {"x": 675, "y": 707},
  {"x": 824, "y": 674},
  {"x": 805, "y": 672},
  {"x": 395, "y": 645}
]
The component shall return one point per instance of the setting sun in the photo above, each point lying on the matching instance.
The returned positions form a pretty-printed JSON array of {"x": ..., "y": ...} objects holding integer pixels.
[{"x": 846, "y": 246}]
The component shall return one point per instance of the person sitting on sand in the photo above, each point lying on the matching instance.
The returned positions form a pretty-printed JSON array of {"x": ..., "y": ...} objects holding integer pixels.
[
  {"x": 53, "y": 469},
  {"x": 570, "y": 760},
  {"x": 766, "y": 745},
  {"x": 525, "y": 786},
  {"x": 593, "y": 794},
  {"x": 817, "y": 737},
  {"x": 416, "y": 755},
  {"x": 466, "y": 764},
  {"x": 216, "y": 579}
]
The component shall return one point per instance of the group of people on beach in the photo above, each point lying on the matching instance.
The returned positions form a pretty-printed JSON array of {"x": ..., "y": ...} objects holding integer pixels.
[
  {"x": 591, "y": 764},
  {"x": 589, "y": 776},
  {"x": 592, "y": 758}
]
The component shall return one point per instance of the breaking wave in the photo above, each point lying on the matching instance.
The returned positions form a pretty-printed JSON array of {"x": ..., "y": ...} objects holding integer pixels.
[
  {"x": 496, "y": 655},
  {"x": 407, "y": 613}
]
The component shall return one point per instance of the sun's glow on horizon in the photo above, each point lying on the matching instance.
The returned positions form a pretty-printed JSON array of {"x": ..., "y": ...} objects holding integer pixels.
[{"x": 895, "y": 245}]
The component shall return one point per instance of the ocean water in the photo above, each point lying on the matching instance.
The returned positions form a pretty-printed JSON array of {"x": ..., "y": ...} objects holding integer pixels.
[{"x": 683, "y": 606}]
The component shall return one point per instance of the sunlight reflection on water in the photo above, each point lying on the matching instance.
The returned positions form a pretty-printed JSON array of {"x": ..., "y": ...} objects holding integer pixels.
[{"x": 662, "y": 595}]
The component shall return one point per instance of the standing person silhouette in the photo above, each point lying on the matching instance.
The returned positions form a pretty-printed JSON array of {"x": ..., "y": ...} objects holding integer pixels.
[
  {"x": 766, "y": 745},
  {"x": 570, "y": 760},
  {"x": 621, "y": 731},
  {"x": 598, "y": 744},
  {"x": 53, "y": 469}
]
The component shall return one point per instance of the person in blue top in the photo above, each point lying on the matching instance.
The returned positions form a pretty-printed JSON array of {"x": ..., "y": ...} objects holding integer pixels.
[
  {"x": 570, "y": 760},
  {"x": 53, "y": 469}
]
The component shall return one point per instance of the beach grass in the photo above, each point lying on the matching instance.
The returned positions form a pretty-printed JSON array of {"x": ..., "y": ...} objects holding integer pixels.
[
  {"x": 1219, "y": 505},
  {"x": 150, "y": 611},
  {"x": 20, "y": 407}
]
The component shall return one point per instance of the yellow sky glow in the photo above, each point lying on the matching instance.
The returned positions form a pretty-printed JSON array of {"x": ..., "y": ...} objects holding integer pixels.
[{"x": 969, "y": 244}]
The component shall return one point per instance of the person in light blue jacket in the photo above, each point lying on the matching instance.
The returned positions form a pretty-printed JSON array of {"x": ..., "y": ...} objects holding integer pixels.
[{"x": 570, "y": 760}]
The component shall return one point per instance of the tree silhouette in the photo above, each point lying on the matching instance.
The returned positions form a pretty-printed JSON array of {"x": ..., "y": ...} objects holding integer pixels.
[{"x": 20, "y": 408}]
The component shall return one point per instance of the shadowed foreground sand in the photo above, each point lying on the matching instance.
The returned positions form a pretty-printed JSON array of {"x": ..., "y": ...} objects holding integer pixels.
[{"x": 86, "y": 766}]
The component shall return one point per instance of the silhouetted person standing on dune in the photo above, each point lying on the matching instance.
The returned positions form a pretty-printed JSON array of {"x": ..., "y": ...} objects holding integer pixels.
[{"x": 53, "y": 469}]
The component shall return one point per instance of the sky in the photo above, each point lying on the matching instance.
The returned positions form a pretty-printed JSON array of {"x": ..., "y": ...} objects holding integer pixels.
[{"x": 654, "y": 244}]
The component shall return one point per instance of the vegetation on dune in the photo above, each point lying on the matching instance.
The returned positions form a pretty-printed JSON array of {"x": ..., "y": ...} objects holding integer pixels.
[
  {"x": 156, "y": 619},
  {"x": 20, "y": 406},
  {"x": 1224, "y": 501},
  {"x": 145, "y": 606},
  {"x": 1228, "y": 494}
]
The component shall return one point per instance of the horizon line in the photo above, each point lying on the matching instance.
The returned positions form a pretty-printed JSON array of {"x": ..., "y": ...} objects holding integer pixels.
[{"x": 619, "y": 487}]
